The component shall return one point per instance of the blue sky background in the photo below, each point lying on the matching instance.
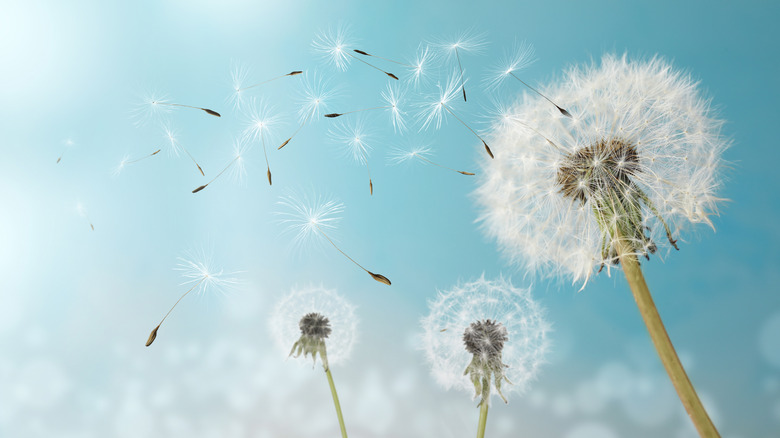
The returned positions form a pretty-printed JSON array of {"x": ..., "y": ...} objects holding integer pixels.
[{"x": 76, "y": 305}]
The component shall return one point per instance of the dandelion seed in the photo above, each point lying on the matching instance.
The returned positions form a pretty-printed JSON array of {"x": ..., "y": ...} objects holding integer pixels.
[
  {"x": 262, "y": 121},
  {"x": 308, "y": 219},
  {"x": 239, "y": 75},
  {"x": 175, "y": 146},
  {"x": 432, "y": 111},
  {"x": 392, "y": 97},
  {"x": 334, "y": 47},
  {"x": 236, "y": 165},
  {"x": 316, "y": 321},
  {"x": 154, "y": 104},
  {"x": 421, "y": 153},
  {"x": 315, "y": 96},
  {"x": 126, "y": 161},
  {"x": 199, "y": 271},
  {"x": 494, "y": 331},
  {"x": 467, "y": 42},
  {"x": 420, "y": 64},
  {"x": 355, "y": 140},
  {"x": 515, "y": 61},
  {"x": 67, "y": 144},
  {"x": 83, "y": 213},
  {"x": 638, "y": 160}
]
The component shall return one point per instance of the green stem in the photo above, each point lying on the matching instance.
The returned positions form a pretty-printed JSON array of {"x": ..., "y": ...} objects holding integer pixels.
[
  {"x": 483, "y": 411},
  {"x": 663, "y": 344},
  {"x": 336, "y": 401}
]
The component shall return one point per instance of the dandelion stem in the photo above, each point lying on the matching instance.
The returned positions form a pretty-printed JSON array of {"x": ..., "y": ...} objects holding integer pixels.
[
  {"x": 145, "y": 156},
  {"x": 563, "y": 111},
  {"x": 443, "y": 167},
  {"x": 483, "y": 413},
  {"x": 378, "y": 277},
  {"x": 335, "y": 395},
  {"x": 218, "y": 175},
  {"x": 299, "y": 128},
  {"x": 462, "y": 84},
  {"x": 293, "y": 73},
  {"x": 153, "y": 335},
  {"x": 663, "y": 344},
  {"x": 373, "y": 66},
  {"x": 206, "y": 110},
  {"x": 334, "y": 115},
  {"x": 268, "y": 166},
  {"x": 386, "y": 59},
  {"x": 487, "y": 148}
]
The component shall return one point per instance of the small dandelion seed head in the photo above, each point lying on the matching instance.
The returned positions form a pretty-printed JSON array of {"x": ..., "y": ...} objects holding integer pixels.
[
  {"x": 121, "y": 166},
  {"x": 307, "y": 217},
  {"x": 315, "y": 97},
  {"x": 353, "y": 138},
  {"x": 421, "y": 66},
  {"x": 432, "y": 109},
  {"x": 639, "y": 158},
  {"x": 150, "y": 107},
  {"x": 334, "y": 46},
  {"x": 261, "y": 121},
  {"x": 238, "y": 77},
  {"x": 393, "y": 96},
  {"x": 198, "y": 269},
  {"x": 415, "y": 151},
  {"x": 315, "y": 320},
  {"x": 494, "y": 331},
  {"x": 470, "y": 41},
  {"x": 171, "y": 136},
  {"x": 515, "y": 60}
]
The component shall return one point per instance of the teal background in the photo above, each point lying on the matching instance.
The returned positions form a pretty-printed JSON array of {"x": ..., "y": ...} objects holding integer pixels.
[{"x": 77, "y": 305}]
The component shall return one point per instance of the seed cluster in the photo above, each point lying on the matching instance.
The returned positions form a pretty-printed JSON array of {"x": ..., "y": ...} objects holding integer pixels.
[
  {"x": 605, "y": 167},
  {"x": 485, "y": 338},
  {"x": 315, "y": 325}
]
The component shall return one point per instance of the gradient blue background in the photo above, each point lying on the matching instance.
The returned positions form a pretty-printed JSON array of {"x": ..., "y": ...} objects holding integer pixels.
[{"x": 76, "y": 305}]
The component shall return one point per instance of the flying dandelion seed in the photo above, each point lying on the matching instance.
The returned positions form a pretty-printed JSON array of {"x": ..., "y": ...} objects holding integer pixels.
[
  {"x": 355, "y": 141},
  {"x": 418, "y": 153},
  {"x": 126, "y": 161},
  {"x": 83, "y": 213},
  {"x": 433, "y": 110},
  {"x": 67, "y": 144},
  {"x": 171, "y": 135},
  {"x": 517, "y": 60},
  {"x": 316, "y": 94},
  {"x": 311, "y": 219},
  {"x": 637, "y": 162},
  {"x": 469, "y": 41},
  {"x": 494, "y": 331},
  {"x": 236, "y": 165},
  {"x": 154, "y": 104},
  {"x": 201, "y": 274},
  {"x": 334, "y": 46},
  {"x": 261, "y": 123},
  {"x": 316, "y": 321},
  {"x": 239, "y": 74},
  {"x": 392, "y": 96},
  {"x": 421, "y": 65}
]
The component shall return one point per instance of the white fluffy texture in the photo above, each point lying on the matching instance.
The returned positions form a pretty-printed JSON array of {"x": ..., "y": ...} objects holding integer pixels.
[
  {"x": 326, "y": 302},
  {"x": 453, "y": 311},
  {"x": 648, "y": 103}
]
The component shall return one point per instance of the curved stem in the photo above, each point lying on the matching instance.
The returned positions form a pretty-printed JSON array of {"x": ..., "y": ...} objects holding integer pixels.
[
  {"x": 663, "y": 344},
  {"x": 483, "y": 411},
  {"x": 335, "y": 398}
]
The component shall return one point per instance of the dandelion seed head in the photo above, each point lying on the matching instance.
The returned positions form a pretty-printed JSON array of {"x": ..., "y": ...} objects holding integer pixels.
[
  {"x": 469, "y": 40},
  {"x": 317, "y": 313},
  {"x": 640, "y": 154},
  {"x": 198, "y": 269},
  {"x": 515, "y": 60},
  {"x": 315, "y": 96},
  {"x": 238, "y": 77},
  {"x": 238, "y": 168},
  {"x": 353, "y": 138},
  {"x": 150, "y": 107},
  {"x": 307, "y": 216},
  {"x": 334, "y": 45},
  {"x": 415, "y": 151},
  {"x": 431, "y": 110},
  {"x": 421, "y": 65},
  {"x": 171, "y": 136},
  {"x": 393, "y": 96},
  {"x": 261, "y": 120},
  {"x": 479, "y": 325},
  {"x": 121, "y": 166}
]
